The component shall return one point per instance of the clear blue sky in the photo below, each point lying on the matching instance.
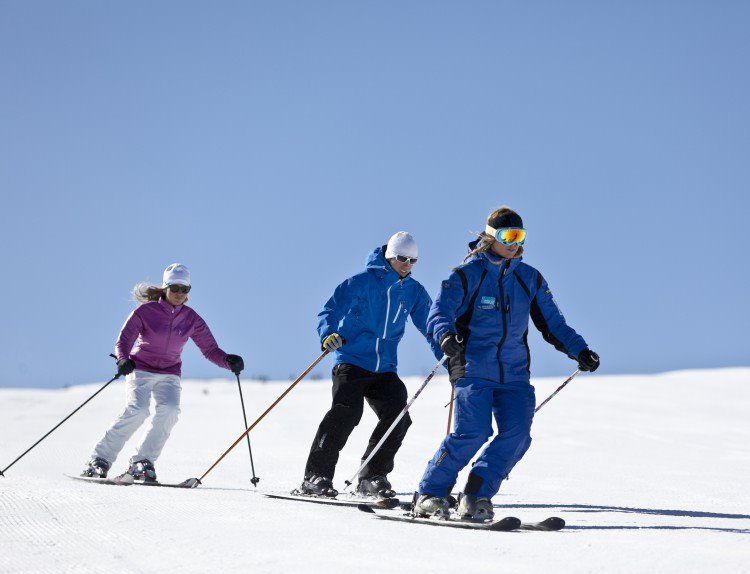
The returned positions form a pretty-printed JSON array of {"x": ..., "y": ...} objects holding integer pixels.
[{"x": 269, "y": 146}]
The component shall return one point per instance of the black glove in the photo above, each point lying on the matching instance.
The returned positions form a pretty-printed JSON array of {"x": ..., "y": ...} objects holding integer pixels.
[
  {"x": 450, "y": 346},
  {"x": 588, "y": 360},
  {"x": 125, "y": 367},
  {"x": 236, "y": 364}
]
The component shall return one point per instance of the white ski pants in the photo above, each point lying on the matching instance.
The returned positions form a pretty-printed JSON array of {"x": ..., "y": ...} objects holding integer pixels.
[{"x": 140, "y": 386}]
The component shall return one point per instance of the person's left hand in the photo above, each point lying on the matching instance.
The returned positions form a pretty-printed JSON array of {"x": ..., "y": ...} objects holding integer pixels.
[
  {"x": 236, "y": 364},
  {"x": 588, "y": 360}
]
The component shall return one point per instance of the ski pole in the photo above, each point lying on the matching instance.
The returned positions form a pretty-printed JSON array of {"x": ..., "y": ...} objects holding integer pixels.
[
  {"x": 395, "y": 422},
  {"x": 194, "y": 482},
  {"x": 2, "y": 472},
  {"x": 450, "y": 411},
  {"x": 255, "y": 480},
  {"x": 560, "y": 388}
]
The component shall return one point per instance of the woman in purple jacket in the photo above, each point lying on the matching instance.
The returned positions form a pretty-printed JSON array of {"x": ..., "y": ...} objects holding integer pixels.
[{"x": 159, "y": 329}]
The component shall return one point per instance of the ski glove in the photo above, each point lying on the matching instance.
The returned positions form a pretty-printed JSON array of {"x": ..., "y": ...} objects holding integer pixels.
[
  {"x": 332, "y": 342},
  {"x": 451, "y": 346},
  {"x": 125, "y": 367},
  {"x": 588, "y": 360},
  {"x": 236, "y": 364}
]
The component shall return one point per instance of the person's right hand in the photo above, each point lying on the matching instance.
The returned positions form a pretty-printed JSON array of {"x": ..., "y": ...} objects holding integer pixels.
[
  {"x": 451, "y": 346},
  {"x": 125, "y": 367},
  {"x": 332, "y": 342},
  {"x": 588, "y": 360}
]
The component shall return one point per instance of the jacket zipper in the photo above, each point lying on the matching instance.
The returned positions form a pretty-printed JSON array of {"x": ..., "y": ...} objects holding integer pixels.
[
  {"x": 507, "y": 309},
  {"x": 502, "y": 339},
  {"x": 169, "y": 333},
  {"x": 385, "y": 328},
  {"x": 395, "y": 317}
]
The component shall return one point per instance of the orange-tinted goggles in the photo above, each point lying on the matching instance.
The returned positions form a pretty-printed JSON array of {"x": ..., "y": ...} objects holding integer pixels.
[{"x": 508, "y": 235}]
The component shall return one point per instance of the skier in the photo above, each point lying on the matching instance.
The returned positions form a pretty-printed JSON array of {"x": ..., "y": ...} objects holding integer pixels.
[
  {"x": 363, "y": 323},
  {"x": 159, "y": 328},
  {"x": 480, "y": 318}
]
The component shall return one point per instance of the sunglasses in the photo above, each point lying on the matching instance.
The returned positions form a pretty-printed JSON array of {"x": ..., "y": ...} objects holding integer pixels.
[
  {"x": 179, "y": 288},
  {"x": 508, "y": 235},
  {"x": 404, "y": 259}
]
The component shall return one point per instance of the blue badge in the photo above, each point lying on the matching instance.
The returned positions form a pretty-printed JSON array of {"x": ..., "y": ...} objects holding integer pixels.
[{"x": 487, "y": 302}]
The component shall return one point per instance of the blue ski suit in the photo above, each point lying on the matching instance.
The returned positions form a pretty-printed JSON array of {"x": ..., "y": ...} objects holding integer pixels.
[
  {"x": 487, "y": 303},
  {"x": 370, "y": 310}
]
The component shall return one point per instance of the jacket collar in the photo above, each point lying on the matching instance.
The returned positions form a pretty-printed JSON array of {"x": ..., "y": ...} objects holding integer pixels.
[
  {"x": 167, "y": 306},
  {"x": 494, "y": 263}
]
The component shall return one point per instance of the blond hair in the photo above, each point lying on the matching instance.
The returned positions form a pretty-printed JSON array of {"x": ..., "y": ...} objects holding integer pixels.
[{"x": 144, "y": 292}]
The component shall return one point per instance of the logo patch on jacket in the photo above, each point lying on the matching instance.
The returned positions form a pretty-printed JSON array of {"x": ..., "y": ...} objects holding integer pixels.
[
  {"x": 487, "y": 302},
  {"x": 446, "y": 285}
]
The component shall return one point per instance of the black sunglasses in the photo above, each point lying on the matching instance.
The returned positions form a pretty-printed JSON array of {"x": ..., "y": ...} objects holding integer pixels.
[
  {"x": 179, "y": 288},
  {"x": 405, "y": 259}
]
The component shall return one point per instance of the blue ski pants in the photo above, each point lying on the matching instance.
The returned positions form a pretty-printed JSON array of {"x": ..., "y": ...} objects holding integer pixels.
[{"x": 476, "y": 402}]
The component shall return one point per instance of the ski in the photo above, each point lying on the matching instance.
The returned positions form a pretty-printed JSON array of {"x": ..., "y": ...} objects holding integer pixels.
[
  {"x": 506, "y": 524},
  {"x": 383, "y": 504},
  {"x": 550, "y": 524},
  {"x": 116, "y": 482}
]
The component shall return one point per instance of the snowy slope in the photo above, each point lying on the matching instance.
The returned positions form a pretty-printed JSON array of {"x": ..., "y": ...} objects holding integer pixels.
[{"x": 651, "y": 473}]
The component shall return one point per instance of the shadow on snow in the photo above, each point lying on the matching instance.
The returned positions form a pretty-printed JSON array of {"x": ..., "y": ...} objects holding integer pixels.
[{"x": 654, "y": 511}]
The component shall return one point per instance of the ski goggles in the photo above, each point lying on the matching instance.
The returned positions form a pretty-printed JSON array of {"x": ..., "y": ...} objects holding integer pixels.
[
  {"x": 405, "y": 259},
  {"x": 179, "y": 288},
  {"x": 507, "y": 235}
]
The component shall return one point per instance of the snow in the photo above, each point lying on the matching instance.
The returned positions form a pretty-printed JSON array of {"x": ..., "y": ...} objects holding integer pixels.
[{"x": 650, "y": 473}]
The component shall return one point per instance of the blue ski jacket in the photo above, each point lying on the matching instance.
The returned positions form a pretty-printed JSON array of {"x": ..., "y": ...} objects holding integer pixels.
[
  {"x": 370, "y": 311},
  {"x": 487, "y": 302}
]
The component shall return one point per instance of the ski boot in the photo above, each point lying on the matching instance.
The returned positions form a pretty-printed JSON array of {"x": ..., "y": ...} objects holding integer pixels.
[
  {"x": 142, "y": 470},
  {"x": 320, "y": 486},
  {"x": 428, "y": 506},
  {"x": 375, "y": 486},
  {"x": 96, "y": 468},
  {"x": 477, "y": 509}
]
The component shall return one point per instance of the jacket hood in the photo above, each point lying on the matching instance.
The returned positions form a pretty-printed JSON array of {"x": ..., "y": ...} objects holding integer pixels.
[{"x": 376, "y": 261}]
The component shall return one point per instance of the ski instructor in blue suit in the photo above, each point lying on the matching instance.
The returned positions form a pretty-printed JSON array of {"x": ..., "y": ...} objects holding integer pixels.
[
  {"x": 362, "y": 323},
  {"x": 480, "y": 318}
]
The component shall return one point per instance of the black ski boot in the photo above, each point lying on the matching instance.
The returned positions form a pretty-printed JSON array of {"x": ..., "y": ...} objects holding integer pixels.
[
  {"x": 142, "y": 470},
  {"x": 317, "y": 486},
  {"x": 96, "y": 468},
  {"x": 377, "y": 486}
]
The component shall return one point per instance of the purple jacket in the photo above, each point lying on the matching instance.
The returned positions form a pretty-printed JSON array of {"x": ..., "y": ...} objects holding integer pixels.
[{"x": 159, "y": 332}]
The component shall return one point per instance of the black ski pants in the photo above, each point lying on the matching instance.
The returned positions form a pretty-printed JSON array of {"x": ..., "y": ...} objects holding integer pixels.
[{"x": 386, "y": 395}]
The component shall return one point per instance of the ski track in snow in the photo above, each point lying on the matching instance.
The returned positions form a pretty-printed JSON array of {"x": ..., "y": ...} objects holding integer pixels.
[{"x": 650, "y": 473}]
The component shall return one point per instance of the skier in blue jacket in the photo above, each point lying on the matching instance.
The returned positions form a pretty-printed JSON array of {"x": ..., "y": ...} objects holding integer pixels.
[
  {"x": 480, "y": 318},
  {"x": 362, "y": 323}
]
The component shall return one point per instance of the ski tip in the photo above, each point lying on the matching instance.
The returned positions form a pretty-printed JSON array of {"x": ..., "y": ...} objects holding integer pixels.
[
  {"x": 387, "y": 503},
  {"x": 554, "y": 522},
  {"x": 190, "y": 483},
  {"x": 506, "y": 524},
  {"x": 365, "y": 508},
  {"x": 550, "y": 524}
]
